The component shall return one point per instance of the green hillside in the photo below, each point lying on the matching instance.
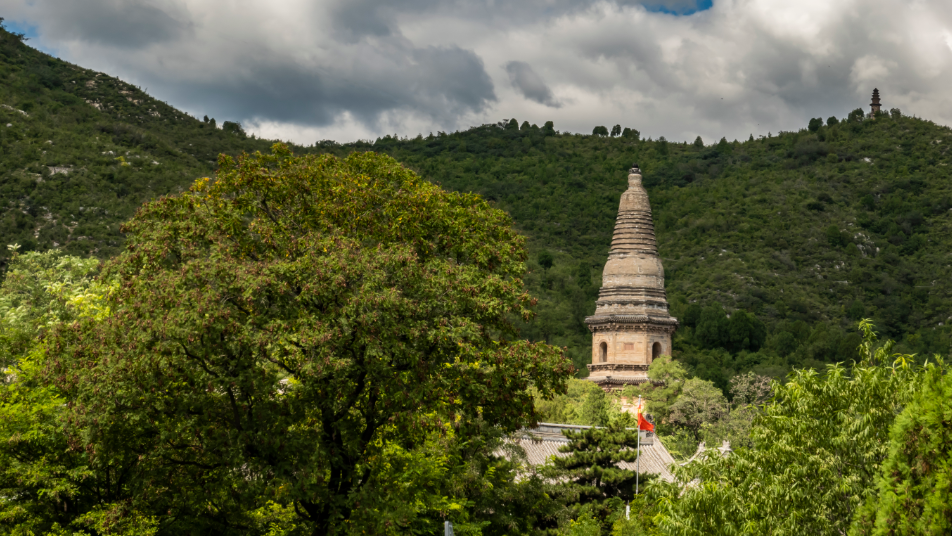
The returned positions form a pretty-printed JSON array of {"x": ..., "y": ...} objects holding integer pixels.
[
  {"x": 80, "y": 151},
  {"x": 806, "y": 232}
]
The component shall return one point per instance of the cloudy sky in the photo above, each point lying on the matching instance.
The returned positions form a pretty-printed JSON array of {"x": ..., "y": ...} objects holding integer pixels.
[{"x": 356, "y": 69}]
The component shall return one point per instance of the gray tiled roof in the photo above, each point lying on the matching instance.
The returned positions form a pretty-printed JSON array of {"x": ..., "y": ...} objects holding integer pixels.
[
  {"x": 542, "y": 443},
  {"x": 724, "y": 449}
]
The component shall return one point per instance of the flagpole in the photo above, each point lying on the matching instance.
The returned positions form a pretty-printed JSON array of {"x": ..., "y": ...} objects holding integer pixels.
[{"x": 638, "y": 452}]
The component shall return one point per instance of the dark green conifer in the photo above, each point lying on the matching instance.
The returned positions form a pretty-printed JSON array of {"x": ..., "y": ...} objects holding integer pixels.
[{"x": 595, "y": 483}]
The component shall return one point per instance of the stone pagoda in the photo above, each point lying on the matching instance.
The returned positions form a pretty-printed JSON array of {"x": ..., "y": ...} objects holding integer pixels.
[
  {"x": 631, "y": 325},
  {"x": 875, "y": 106}
]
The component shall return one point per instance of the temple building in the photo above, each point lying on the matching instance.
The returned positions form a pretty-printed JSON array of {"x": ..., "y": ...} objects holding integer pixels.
[{"x": 631, "y": 325}]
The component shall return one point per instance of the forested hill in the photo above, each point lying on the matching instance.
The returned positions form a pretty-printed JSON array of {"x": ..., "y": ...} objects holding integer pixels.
[
  {"x": 80, "y": 151},
  {"x": 804, "y": 232}
]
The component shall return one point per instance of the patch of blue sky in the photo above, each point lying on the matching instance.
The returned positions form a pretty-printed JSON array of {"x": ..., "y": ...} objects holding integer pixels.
[
  {"x": 30, "y": 33},
  {"x": 680, "y": 9}
]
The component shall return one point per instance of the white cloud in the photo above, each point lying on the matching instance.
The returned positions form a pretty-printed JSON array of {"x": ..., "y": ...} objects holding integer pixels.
[
  {"x": 350, "y": 69},
  {"x": 871, "y": 69}
]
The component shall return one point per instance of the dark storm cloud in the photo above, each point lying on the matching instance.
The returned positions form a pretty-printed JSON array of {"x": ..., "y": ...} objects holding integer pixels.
[
  {"x": 364, "y": 67},
  {"x": 370, "y": 67},
  {"x": 118, "y": 23},
  {"x": 354, "y": 19},
  {"x": 359, "y": 18},
  {"x": 530, "y": 84},
  {"x": 454, "y": 76},
  {"x": 372, "y": 17},
  {"x": 441, "y": 82},
  {"x": 346, "y": 57}
]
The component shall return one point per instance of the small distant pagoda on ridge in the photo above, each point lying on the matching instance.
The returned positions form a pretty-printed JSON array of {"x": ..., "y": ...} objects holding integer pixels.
[
  {"x": 631, "y": 325},
  {"x": 874, "y": 106}
]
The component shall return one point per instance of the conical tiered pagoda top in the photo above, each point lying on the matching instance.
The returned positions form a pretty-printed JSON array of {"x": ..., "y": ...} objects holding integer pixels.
[
  {"x": 633, "y": 280},
  {"x": 631, "y": 325},
  {"x": 634, "y": 230}
]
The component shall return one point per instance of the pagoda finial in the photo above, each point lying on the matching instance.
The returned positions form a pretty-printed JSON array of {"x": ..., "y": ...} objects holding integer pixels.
[{"x": 874, "y": 105}]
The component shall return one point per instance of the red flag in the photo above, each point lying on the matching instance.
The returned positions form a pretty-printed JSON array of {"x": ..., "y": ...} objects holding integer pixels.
[{"x": 643, "y": 424}]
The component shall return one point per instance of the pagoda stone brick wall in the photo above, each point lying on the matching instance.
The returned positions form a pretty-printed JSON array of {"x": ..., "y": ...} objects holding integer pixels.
[{"x": 631, "y": 325}]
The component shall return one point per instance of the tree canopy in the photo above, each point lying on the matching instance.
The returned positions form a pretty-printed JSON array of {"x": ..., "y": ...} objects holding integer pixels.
[
  {"x": 278, "y": 331},
  {"x": 815, "y": 452},
  {"x": 37, "y": 293},
  {"x": 913, "y": 493}
]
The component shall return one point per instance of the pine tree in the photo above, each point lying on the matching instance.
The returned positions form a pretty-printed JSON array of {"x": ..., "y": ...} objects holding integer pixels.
[
  {"x": 594, "y": 482},
  {"x": 724, "y": 146}
]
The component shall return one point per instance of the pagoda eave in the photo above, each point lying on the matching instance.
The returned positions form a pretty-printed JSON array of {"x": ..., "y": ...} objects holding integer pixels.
[{"x": 623, "y": 322}]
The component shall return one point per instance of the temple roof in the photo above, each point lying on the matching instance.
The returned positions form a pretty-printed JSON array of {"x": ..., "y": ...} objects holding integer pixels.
[{"x": 542, "y": 443}]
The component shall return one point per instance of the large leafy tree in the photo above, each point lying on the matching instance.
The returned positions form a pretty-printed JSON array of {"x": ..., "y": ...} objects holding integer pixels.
[
  {"x": 667, "y": 380},
  {"x": 279, "y": 331},
  {"x": 815, "y": 452},
  {"x": 699, "y": 402}
]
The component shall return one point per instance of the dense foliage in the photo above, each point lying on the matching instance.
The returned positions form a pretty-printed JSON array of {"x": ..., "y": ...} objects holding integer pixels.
[
  {"x": 815, "y": 452},
  {"x": 593, "y": 483},
  {"x": 583, "y": 403},
  {"x": 45, "y": 484},
  {"x": 41, "y": 290},
  {"x": 51, "y": 485},
  {"x": 913, "y": 492},
  {"x": 283, "y": 346}
]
